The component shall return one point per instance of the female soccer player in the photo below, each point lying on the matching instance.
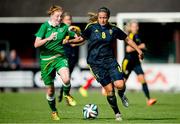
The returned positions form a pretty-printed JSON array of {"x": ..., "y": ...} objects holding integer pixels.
[
  {"x": 84, "y": 88},
  {"x": 71, "y": 52},
  {"x": 100, "y": 58},
  {"x": 131, "y": 61},
  {"x": 49, "y": 39}
]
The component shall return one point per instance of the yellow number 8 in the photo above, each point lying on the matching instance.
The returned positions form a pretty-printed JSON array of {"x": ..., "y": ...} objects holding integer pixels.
[{"x": 103, "y": 35}]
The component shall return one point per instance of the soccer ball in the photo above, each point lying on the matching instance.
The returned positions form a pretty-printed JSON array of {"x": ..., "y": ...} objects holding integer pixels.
[{"x": 90, "y": 111}]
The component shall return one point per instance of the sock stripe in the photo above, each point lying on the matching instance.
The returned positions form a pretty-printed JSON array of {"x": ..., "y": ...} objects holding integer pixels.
[
  {"x": 50, "y": 98},
  {"x": 67, "y": 85}
]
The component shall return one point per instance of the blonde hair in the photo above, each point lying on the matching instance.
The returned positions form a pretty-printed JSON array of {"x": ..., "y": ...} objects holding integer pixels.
[
  {"x": 92, "y": 17},
  {"x": 53, "y": 9},
  {"x": 128, "y": 25},
  {"x": 66, "y": 14}
]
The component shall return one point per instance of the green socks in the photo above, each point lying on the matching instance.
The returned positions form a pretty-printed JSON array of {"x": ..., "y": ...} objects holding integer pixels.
[
  {"x": 52, "y": 102},
  {"x": 66, "y": 89}
]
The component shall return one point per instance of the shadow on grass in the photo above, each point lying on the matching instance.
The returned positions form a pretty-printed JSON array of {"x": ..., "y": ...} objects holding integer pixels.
[
  {"x": 151, "y": 118},
  {"x": 89, "y": 119},
  {"x": 123, "y": 119}
]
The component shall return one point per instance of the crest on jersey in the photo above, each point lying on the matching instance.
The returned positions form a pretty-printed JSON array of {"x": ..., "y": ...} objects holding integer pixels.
[
  {"x": 103, "y": 35},
  {"x": 110, "y": 31},
  {"x": 96, "y": 31},
  {"x": 61, "y": 30},
  {"x": 49, "y": 29}
]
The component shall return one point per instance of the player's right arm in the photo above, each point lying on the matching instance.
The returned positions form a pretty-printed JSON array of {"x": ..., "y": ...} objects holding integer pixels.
[
  {"x": 129, "y": 49},
  {"x": 40, "y": 36},
  {"x": 39, "y": 41},
  {"x": 78, "y": 44},
  {"x": 80, "y": 40},
  {"x": 85, "y": 34}
]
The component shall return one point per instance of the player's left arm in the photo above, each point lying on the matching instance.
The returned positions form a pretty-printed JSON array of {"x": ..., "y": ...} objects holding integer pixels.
[
  {"x": 76, "y": 40},
  {"x": 82, "y": 38},
  {"x": 77, "y": 44},
  {"x": 119, "y": 34},
  {"x": 85, "y": 35}
]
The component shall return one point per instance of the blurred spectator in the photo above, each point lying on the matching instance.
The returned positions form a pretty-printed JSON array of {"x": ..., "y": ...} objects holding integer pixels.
[
  {"x": 14, "y": 60},
  {"x": 14, "y": 64},
  {"x": 3, "y": 60},
  {"x": 3, "y": 64}
]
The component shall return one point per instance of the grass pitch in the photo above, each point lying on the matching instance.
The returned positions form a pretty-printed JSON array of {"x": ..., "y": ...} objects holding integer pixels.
[{"x": 32, "y": 107}]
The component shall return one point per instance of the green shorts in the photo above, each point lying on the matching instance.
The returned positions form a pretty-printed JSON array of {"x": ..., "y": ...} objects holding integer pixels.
[{"x": 50, "y": 67}]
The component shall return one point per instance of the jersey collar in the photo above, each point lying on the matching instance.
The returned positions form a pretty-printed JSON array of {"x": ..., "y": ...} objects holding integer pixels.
[
  {"x": 107, "y": 26},
  {"x": 51, "y": 24}
]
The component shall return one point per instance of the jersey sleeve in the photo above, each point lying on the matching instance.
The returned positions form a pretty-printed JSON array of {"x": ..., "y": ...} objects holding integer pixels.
[
  {"x": 87, "y": 32},
  {"x": 120, "y": 34},
  {"x": 41, "y": 32}
]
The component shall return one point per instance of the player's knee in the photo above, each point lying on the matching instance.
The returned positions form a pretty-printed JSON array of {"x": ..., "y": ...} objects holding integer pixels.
[
  {"x": 119, "y": 84},
  {"x": 141, "y": 78},
  {"x": 109, "y": 89},
  {"x": 50, "y": 91},
  {"x": 110, "y": 93},
  {"x": 64, "y": 73},
  {"x": 66, "y": 80}
]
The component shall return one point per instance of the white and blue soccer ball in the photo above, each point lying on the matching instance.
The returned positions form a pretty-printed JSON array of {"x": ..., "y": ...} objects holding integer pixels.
[{"x": 90, "y": 111}]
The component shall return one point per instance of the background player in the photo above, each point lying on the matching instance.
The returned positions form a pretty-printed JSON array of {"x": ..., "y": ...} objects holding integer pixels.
[
  {"x": 132, "y": 62},
  {"x": 49, "y": 39},
  {"x": 70, "y": 50},
  {"x": 101, "y": 60}
]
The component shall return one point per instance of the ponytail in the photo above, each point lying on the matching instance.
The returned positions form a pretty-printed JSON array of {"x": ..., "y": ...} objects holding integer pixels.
[{"x": 92, "y": 17}]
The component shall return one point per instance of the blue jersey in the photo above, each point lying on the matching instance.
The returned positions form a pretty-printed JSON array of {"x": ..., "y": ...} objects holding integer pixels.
[{"x": 99, "y": 41}]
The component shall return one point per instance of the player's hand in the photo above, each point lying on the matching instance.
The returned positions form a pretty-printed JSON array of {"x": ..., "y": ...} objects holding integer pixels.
[
  {"x": 72, "y": 28},
  {"x": 52, "y": 36},
  {"x": 77, "y": 39},
  {"x": 140, "y": 54},
  {"x": 65, "y": 41}
]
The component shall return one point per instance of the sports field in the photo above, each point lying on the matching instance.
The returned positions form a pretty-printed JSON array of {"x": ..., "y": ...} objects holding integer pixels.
[{"x": 32, "y": 107}]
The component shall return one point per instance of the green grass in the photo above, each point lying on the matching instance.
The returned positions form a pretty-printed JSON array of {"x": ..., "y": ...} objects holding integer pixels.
[{"x": 32, "y": 107}]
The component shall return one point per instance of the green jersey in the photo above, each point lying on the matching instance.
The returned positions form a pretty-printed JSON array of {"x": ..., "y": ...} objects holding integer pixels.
[{"x": 54, "y": 46}]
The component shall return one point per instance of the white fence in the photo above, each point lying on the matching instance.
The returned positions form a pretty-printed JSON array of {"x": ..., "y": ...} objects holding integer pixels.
[
  {"x": 162, "y": 77},
  {"x": 16, "y": 79}
]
